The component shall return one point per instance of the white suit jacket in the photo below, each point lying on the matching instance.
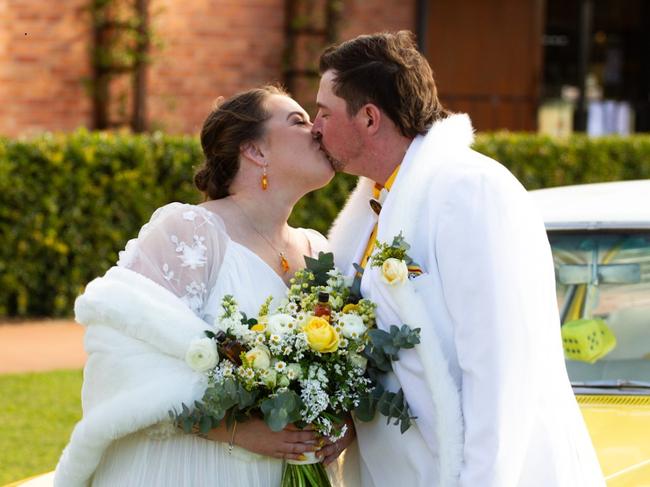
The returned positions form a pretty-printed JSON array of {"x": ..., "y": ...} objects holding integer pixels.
[{"x": 488, "y": 383}]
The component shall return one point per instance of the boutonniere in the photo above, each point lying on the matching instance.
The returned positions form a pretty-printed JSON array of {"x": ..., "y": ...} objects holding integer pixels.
[{"x": 395, "y": 263}]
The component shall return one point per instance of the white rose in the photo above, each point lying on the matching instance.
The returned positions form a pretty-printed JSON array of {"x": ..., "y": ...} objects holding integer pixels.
[
  {"x": 352, "y": 326},
  {"x": 259, "y": 358},
  {"x": 358, "y": 360},
  {"x": 202, "y": 354},
  {"x": 394, "y": 271},
  {"x": 280, "y": 324}
]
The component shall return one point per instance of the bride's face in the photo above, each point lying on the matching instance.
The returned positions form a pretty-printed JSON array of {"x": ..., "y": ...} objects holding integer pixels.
[{"x": 292, "y": 154}]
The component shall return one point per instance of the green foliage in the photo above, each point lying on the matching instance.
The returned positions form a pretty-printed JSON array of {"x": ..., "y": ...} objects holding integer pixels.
[
  {"x": 312, "y": 475},
  {"x": 320, "y": 267},
  {"x": 37, "y": 414},
  {"x": 281, "y": 410},
  {"x": 384, "y": 346},
  {"x": 393, "y": 405},
  {"x": 382, "y": 349},
  {"x": 397, "y": 249},
  {"x": 69, "y": 203},
  {"x": 541, "y": 161},
  {"x": 214, "y": 407}
]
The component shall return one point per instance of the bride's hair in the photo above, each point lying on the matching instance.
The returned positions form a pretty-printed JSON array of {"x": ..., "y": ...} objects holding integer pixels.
[{"x": 231, "y": 124}]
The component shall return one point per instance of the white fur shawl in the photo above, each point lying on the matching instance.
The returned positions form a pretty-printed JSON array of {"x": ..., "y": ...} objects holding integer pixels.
[{"x": 136, "y": 339}]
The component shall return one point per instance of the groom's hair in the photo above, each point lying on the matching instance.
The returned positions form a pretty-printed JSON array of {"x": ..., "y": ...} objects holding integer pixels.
[{"x": 387, "y": 70}]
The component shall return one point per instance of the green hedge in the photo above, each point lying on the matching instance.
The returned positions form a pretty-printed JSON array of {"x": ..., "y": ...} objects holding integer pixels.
[{"x": 68, "y": 203}]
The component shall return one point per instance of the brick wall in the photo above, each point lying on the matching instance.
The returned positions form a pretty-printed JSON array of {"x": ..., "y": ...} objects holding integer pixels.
[
  {"x": 43, "y": 61},
  {"x": 210, "y": 48},
  {"x": 367, "y": 16},
  {"x": 203, "y": 49}
]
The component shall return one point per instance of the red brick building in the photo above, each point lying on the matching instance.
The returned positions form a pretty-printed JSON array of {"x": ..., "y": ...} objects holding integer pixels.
[
  {"x": 201, "y": 49},
  {"x": 499, "y": 60}
]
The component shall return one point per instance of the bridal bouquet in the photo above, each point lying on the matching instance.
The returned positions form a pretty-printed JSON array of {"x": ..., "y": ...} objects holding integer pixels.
[{"x": 313, "y": 360}]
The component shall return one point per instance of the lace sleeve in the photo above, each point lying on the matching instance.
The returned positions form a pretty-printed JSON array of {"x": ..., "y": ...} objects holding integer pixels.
[{"x": 181, "y": 248}]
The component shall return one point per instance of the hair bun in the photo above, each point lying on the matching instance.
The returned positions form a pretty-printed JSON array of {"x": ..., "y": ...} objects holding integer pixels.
[{"x": 231, "y": 123}]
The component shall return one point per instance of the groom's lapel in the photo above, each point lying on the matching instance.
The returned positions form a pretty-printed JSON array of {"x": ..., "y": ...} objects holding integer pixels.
[
  {"x": 349, "y": 233},
  {"x": 411, "y": 192}
]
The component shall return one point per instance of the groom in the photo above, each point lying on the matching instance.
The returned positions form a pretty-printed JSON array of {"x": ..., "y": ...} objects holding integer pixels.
[{"x": 487, "y": 384}]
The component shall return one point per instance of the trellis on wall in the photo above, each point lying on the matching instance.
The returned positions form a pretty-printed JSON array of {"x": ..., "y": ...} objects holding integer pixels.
[
  {"x": 119, "y": 56},
  {"x": 311, "y": 25}
]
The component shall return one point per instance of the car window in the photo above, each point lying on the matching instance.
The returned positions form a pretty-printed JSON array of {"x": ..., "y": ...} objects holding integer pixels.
[{"x": 606, "y": 276}]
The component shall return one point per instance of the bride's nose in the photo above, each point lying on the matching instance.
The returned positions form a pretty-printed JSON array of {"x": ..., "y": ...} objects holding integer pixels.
[{"x": 315, "y": 130}]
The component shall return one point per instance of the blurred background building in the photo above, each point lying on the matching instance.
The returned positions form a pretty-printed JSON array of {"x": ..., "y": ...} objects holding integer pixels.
[{"x": 550, "y": 65}]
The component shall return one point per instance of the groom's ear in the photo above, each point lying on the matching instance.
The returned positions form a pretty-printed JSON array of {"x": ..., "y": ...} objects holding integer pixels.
[
  {"x": 371, "y": 118},
  {"x": 252, "y": 151}
]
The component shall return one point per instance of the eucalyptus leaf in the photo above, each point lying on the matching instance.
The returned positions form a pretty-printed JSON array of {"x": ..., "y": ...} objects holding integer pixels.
[
  {"x": 320, "y": 267},
  {"x": 205, "y": 424},
  {"x": 282, "y": 409}
]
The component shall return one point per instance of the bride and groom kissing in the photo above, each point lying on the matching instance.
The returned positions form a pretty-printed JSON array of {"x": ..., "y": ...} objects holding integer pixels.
[{"x": 487, "y": 386}]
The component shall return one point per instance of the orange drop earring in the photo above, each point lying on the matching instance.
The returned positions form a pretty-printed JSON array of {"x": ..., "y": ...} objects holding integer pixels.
[{"x": 265, "y": 180}]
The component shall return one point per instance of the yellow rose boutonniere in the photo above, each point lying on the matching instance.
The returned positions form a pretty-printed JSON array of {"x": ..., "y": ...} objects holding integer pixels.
[
  {"x": 321, "y": 336},
  {"x": 394, "y": 272}
]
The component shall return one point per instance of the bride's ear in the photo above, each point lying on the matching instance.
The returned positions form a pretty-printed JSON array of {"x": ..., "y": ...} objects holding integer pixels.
[{"x": 253, "y": 152}]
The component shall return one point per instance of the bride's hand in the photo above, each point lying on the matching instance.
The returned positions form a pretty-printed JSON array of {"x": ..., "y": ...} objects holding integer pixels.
[
  {"x": 331, "y": 451},
  {"x": 290, "y": 443}
]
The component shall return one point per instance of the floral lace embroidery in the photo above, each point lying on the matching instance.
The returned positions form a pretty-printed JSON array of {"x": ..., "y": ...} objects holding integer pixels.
[
  {"x": 192, "y": 256},
  {"x": 195, "y": 296},
  {"x": 189, "y": 215},
  {"x": 167, "y": 273}
]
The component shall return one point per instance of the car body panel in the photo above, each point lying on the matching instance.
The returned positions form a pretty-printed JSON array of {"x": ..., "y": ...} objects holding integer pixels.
[
  {"x": 618, "y": 420},
  {"x": 615, "y": 205},
  {"x": 620, "y": 429}
]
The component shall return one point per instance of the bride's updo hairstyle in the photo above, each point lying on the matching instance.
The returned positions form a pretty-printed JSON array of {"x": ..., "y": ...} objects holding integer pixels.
[{"x": 231, "y": 124}]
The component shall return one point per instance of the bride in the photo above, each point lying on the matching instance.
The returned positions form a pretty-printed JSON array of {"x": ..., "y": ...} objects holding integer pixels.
[{"x": 260, "y": 159}]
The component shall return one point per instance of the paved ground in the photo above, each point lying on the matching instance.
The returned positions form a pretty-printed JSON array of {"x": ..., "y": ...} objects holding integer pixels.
[{"x": 40, "y": 346}]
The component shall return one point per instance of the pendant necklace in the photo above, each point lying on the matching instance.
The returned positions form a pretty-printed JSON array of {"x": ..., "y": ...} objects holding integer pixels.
[{"x": 284, "y": 263}]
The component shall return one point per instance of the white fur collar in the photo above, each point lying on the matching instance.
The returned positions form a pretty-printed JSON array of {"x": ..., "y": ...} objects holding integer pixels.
[{"x": 454, "y": 132}]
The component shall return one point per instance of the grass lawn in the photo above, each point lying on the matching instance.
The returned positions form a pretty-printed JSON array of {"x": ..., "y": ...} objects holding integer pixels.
[{"x": 37, "y": 414}]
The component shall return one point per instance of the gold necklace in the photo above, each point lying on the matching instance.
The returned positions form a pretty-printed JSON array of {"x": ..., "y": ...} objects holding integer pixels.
[{"x": 284, "y": 263}]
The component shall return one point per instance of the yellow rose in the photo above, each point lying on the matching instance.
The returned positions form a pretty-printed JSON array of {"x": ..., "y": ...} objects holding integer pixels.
[
  {"x": 321, "y": 336},
  {"x": 258, "y": 327},
  {"x": 394, "y": 271},
  {"x": 350, "y": 308}
]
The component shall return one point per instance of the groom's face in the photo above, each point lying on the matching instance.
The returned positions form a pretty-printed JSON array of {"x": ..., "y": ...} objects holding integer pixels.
[{"x": 339, "y": 133}]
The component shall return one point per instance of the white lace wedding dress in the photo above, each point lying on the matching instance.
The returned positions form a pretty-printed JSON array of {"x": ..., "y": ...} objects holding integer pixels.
[{"x": 186, "y": 249}]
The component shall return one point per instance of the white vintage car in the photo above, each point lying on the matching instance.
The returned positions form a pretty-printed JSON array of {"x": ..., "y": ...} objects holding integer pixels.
[{"x": 600, "y": 237}]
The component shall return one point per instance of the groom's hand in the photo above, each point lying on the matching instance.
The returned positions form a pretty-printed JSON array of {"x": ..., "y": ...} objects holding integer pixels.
[{"x": 331, "y": 451}]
